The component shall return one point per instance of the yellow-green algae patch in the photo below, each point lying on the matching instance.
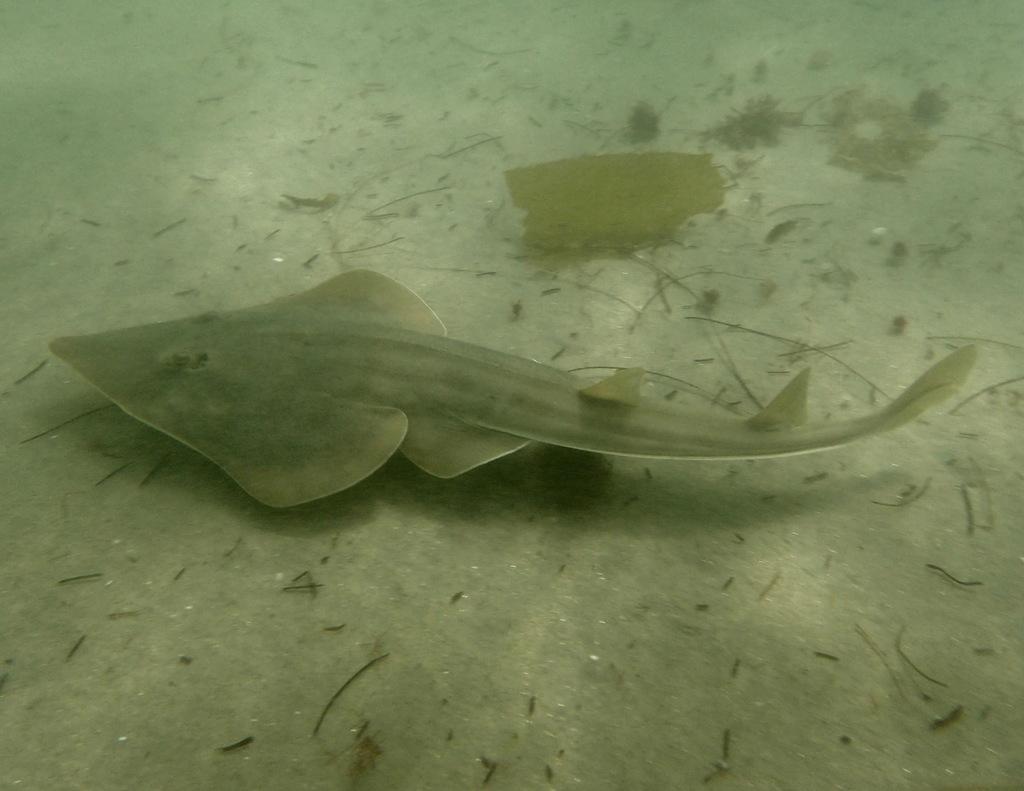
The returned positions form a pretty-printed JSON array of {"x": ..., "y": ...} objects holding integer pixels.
[{"x": 612, "y": 201}]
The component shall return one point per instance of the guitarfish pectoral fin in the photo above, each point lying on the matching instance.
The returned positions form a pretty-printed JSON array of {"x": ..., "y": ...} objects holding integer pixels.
[{"x": 372, "y": 296}]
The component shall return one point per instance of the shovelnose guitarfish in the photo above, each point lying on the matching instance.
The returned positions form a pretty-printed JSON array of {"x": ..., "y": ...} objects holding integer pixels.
[{"x": 306, "y": 395}]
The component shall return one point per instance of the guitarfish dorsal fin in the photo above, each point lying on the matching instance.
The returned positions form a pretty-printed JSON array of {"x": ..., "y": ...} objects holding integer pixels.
[
  {"x": 622, "y": 387},
  {"x": 787, "y": 409}
]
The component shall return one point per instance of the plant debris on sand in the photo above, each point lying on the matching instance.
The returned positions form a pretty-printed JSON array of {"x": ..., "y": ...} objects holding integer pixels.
[{"x": 758, "y": 123}]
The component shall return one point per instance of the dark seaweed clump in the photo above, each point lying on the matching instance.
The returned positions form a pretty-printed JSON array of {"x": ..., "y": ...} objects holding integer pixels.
[
  {"x": 758, "y": 123},
  {"x": 642, "y": 126},
  {"x": 928, "y": 107}
]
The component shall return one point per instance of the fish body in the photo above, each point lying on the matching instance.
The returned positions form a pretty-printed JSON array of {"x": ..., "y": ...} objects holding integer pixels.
[{"x": 307, "y": 395}]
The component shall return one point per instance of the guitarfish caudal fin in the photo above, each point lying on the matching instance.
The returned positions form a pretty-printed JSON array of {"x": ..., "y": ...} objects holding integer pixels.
[{"x": 933, "y": 386}]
